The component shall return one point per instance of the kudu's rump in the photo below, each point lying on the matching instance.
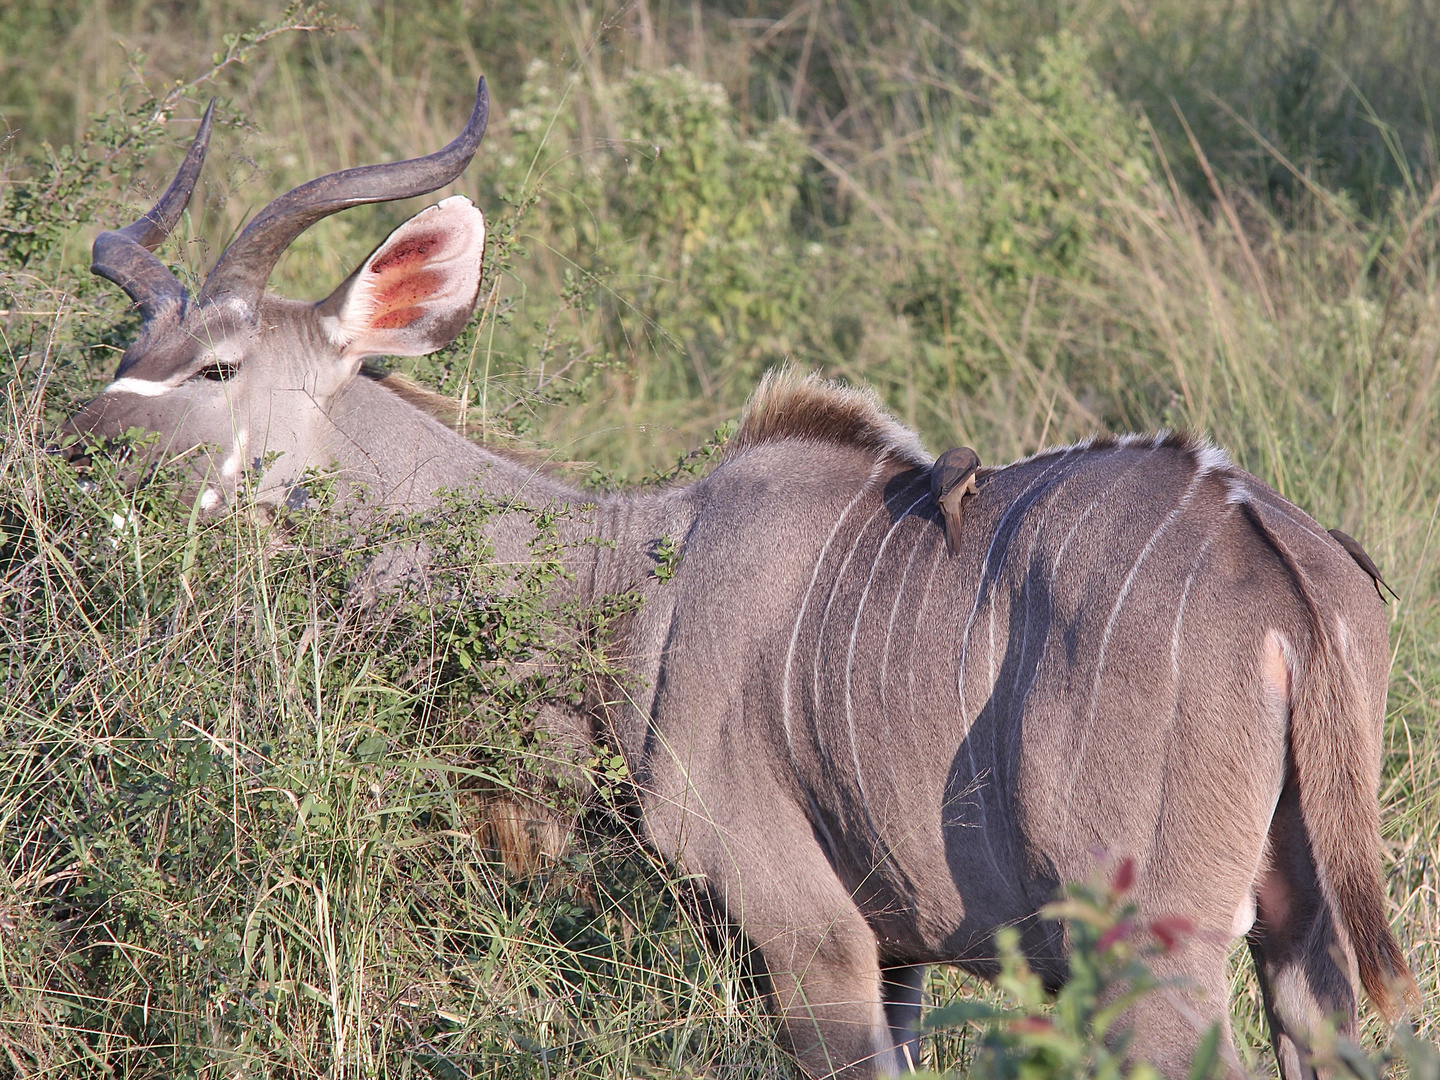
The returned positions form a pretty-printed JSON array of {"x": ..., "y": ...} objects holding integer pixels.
[{"x": 879, "y": 753}]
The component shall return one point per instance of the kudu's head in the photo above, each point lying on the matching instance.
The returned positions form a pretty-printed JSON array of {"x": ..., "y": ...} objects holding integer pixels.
[{"x": 234, "y": 378}]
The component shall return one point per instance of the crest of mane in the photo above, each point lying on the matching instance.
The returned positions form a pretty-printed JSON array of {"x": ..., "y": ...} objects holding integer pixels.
[{"x": 787, "y": 405}]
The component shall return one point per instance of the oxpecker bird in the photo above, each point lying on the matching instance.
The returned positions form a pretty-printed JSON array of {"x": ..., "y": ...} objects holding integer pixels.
[
  {"x": 1350, "y": 544},
  {"x": 952, "y": 477}
]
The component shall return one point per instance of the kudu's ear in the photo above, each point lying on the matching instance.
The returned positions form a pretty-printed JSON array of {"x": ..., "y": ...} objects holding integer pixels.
[{"x": 415, "y": 292}]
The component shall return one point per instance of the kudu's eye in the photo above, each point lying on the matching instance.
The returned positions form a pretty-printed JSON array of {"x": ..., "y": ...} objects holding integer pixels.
[{"x": 220, "y": 371}]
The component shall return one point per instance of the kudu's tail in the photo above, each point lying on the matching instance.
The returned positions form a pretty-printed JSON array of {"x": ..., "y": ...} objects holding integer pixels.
[{"x": 1332, "y": 749}]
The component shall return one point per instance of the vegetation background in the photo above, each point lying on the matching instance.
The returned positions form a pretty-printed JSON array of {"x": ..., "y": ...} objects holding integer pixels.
[{"x": 243, "y": 832}]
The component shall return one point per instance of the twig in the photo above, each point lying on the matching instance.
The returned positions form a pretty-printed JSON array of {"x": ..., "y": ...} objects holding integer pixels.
[{"x": 846, "y": 180}]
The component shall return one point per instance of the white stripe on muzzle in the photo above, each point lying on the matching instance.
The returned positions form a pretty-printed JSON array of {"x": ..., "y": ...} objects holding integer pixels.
[{"x": 143, "y": 387}]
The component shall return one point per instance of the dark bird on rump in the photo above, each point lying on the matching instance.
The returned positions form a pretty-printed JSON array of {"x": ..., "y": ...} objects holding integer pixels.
[
  {"x": 952, "y": 477},
  {"x": 1363, "y": 560}
]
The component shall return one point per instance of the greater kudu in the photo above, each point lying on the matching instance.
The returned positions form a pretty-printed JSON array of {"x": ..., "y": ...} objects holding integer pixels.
[{"x": 875, "y": 753}]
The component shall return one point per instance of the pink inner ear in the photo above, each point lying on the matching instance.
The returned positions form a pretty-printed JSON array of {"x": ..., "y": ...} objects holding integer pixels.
[
  {"x": 414, "y": 293},
  {"x": 397, "y": 319},
  {"x": 409, "y": 289},
  {"x": 401, "y": 287},
  {"x": 410, "y": 250}
]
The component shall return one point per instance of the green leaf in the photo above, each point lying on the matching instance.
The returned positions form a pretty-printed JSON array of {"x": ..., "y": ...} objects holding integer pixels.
[{"x": 1207, "y": 1054}]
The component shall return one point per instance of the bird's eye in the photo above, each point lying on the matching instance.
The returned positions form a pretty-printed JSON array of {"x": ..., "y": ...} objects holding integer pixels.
[{"x": 220, "y": 371}]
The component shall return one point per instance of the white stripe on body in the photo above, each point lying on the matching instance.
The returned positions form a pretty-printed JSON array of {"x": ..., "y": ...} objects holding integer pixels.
[
  {"x": 1010, "y": 510},
  {"x": 835, "y": 587},
  {"x": 1284, "y": 508},
  {"x": 836, "y": 583},
  {"x": 850, "y": 655},
  {"x": 967, "y": 719},
  {"x": 830, "y": 601},
  {"x": 890, "y": 627},
  {"x": 1050, "y": 451},
  {"x": 1017, "y": 700},
  {"x": 1124, "y": 592},
  {"x": 938, "y": 556},
  {"x": 804, "y": 605},
  {"x": 1185, "y": 599}
]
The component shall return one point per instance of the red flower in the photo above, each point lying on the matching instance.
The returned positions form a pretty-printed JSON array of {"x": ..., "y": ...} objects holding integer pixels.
[
  {"x": 1124, "y": 876},
  {"x": 1114, "y": 934},
  {"x": 1171, "y": 931}
]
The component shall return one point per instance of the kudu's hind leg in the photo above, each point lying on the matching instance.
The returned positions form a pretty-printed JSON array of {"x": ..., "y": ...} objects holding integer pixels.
[
  {"x": 1298, "y": 953},
  {"x": 903, "y": 990},
  {"x": 1168, "y": 1023}
]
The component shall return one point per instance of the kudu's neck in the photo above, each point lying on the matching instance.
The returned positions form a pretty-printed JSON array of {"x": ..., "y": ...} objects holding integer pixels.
[
  {"x": 404, "y": 456},
  {"x": 401, "y": 457}
]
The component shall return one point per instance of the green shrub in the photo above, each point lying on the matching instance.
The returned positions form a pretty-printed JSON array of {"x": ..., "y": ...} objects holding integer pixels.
[
  {"x": 248, "y": 814},
  {"x": 1015, "y": 195},
  {"x": 681, "y": 215},
  {"x": 1080, "y": 1033}
]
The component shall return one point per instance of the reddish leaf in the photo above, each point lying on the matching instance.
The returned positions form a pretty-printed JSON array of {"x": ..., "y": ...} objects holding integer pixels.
[
  {"x": 1124, "y": 876},
  {"x": 1032, "y": 1025}
]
